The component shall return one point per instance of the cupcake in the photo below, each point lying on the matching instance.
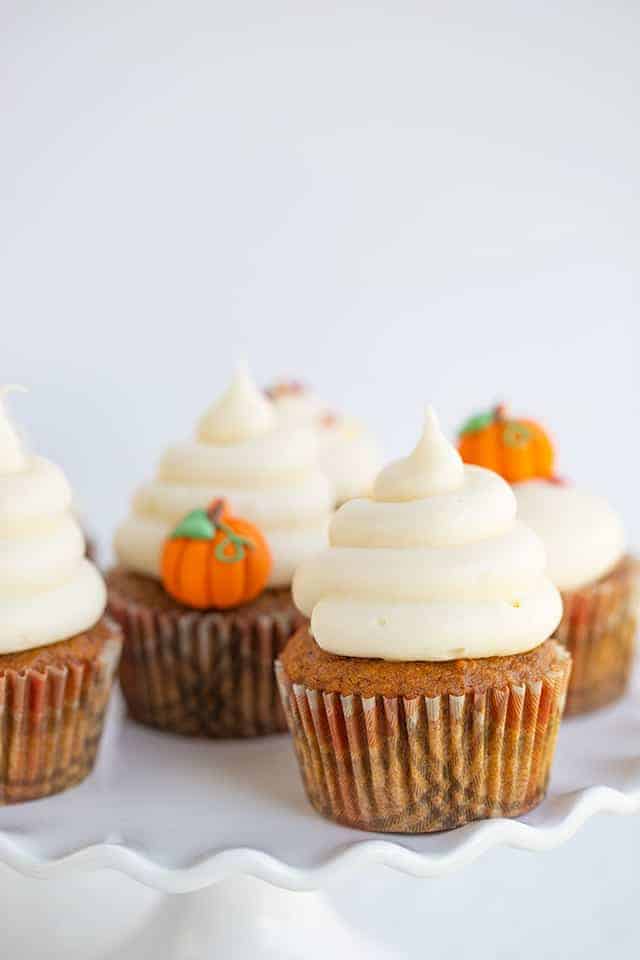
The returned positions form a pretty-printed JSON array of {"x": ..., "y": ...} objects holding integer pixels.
[
  {"x": 586, "y": 552},
  {"x": 202, "y": 588},
  {"x": 58, "y": 652},
  {"x": 348, "y": 454},
  {"x": 425, "y": 692}
]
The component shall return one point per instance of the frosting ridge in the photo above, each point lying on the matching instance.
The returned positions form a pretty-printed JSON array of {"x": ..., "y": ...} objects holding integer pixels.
[
  {"x": 434, "y": 566},
  {"x": 48, "y": 590}
]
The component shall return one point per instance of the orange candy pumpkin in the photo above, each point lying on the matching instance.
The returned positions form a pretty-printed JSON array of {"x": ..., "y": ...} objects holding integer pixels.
[
  {"x": 516, "y": 449},
  {"x": 215, "y": 560}
]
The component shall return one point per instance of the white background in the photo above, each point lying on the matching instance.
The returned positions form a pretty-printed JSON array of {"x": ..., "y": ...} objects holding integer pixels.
[{"x": 397, "y": 202}]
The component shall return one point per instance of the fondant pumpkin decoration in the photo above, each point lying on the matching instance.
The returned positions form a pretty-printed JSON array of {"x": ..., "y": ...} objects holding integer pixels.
[
  {"x": 516, "y": 449},
  {"x": 215, "y": 560}
]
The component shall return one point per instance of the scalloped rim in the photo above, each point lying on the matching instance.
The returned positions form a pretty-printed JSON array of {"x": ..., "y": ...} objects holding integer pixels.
[{"x": 476, "y": 839}]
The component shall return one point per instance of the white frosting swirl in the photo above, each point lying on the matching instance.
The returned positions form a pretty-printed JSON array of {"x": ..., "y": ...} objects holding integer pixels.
[
  {"x": 48, "y": 590},
  {"x": 347, "y": 452},
  {"x": 583, "y": 536},
  {"x": 268, "y": 474},
  {"x": 434, "y": 567}
]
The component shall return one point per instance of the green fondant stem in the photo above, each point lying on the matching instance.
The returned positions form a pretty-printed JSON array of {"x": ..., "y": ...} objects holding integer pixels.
[{"x": 195, "y": 526}]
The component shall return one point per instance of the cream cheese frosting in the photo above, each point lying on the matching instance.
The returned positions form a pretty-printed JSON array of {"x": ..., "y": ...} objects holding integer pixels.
[
  {"x": 347, "y": 452},
  {"x": 48, "y": 590},
  {"x": 434, "y": 566},
  {"x": 583, "y": 536},
  {"x": 266, "y": 470}
]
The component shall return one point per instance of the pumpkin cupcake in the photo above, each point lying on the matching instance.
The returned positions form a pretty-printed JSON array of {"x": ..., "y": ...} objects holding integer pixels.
[
  {"x": 585, "y": 544},
  {"x": 347, "y": 452},
  {"x": 205, "y": 561},
  {"x": 58, "y": 653},
  {"x": 425, "y": 693}
]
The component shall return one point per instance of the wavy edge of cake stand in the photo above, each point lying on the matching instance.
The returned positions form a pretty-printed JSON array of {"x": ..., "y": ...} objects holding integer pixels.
[{"x": 240, "y": 899}]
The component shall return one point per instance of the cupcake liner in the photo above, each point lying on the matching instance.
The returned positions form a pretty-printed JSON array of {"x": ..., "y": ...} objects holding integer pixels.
[
  {"x": 422, "y": 764},
  {"x": 203, "y": 674},
  {"x": 598, "y": 628},
  {"x": 51, "y": 722}
]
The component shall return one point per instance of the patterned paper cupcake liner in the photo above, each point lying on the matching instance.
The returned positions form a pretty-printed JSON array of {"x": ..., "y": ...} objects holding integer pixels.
[
  {"x": 423, "y": 764},
  {"x": 203, "y": 674},
  {"x": 598, "y": 628},
  {"x": 51, "y": 722}
]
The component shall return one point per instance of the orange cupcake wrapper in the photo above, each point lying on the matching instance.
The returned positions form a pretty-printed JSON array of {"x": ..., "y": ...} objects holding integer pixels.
[
  {"x": 203, "y": 674},
  {"x": 598, "y": 628},
  {"x": 424, "y": 764},
  {"x": 51, "y": 723}
]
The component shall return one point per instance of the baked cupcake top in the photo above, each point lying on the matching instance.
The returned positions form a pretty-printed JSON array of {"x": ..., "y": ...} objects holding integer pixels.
[
  {"x": 266, "y": 471},
  {"x": 583, "y": 536},
  {"x": 49, "y": 591},
  {"x": 434, "y": 566},
  {"x": 348, "y": 454}
]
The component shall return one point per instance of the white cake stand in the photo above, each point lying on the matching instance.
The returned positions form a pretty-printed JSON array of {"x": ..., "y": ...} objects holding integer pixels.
[{"x": 212, "y": 819}]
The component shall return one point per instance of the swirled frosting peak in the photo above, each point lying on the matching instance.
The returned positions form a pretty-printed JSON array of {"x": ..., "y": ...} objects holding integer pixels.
[
  {"x": 241, "y": 413},
  {"x": 265, "y": 470},
  {"x": 435, "y": 566},
  {"x": 12, "y": 458},
  {"x": 48, "y": 590},
  {"x": 433, "y": 467}
]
